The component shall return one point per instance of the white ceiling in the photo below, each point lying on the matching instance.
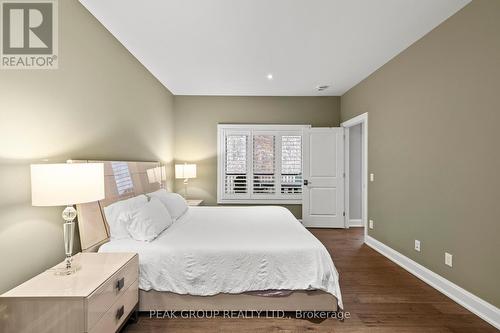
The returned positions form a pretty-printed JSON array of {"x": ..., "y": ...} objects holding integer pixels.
[{"x": 227, "y": 47}]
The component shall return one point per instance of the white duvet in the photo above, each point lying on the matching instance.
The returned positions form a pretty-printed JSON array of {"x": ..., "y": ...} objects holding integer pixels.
[{"x": 213, "y": 250}]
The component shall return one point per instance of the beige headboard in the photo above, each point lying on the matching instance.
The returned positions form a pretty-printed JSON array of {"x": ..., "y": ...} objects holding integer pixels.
[{"x": 122, "y": 180}]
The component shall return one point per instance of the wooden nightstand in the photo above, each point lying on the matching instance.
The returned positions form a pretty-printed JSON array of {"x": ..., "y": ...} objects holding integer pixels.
[
  {"x": 194, "y": 202},
  {"x": 97, "y": 298}
]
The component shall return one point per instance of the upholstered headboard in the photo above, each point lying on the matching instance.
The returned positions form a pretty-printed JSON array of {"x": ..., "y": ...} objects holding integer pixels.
[{"x": 122, "y": 180}]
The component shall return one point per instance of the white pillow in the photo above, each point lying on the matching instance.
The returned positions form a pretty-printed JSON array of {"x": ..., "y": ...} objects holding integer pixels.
[
  {"x": 117, "y": 215},
  {"x": 174, "y": 202},
  {"x": 148, "y": 221}
]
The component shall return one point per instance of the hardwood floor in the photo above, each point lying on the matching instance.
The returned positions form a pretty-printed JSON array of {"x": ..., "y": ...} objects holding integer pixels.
[{"x": 380, "y": 296}]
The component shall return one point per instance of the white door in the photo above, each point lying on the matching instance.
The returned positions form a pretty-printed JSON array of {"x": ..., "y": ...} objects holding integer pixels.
[{"x": 323, "y": 190}]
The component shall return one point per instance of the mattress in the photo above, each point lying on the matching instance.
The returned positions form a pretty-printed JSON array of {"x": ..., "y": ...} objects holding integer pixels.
[{"x": 212, "y": 250}]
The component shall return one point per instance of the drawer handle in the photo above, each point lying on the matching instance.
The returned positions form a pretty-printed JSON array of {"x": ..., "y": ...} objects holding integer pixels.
[
  {"x": 120, "y": 283},
  {"x": 119, "y": 312}
]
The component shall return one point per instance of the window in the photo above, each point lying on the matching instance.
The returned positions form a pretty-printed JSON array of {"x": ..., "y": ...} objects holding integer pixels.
[
  {"x": 260, "y": 163},
  {"x": 236, "y": 164},
  {"x": 291, "y": 164},
  {"x": 263, "y": 164}
]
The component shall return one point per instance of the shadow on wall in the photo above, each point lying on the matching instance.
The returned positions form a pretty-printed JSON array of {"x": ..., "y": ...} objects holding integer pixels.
[
  {"x": 25, "y": 231},
  {"x": 204, "y": 186}
]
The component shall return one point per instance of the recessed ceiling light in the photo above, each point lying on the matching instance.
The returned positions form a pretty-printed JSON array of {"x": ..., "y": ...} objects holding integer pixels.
[{"x": 269, "y": 76}]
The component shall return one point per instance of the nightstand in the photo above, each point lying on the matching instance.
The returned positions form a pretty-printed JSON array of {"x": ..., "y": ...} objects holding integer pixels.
[
  {"x": 99, "y": 297},
  {"x": 194, "y": 202}
]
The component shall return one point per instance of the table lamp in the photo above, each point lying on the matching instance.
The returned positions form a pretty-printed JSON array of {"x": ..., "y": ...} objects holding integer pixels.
[
  {"x": 67, "y": 184},
  {"x": 185, "y": 171}
]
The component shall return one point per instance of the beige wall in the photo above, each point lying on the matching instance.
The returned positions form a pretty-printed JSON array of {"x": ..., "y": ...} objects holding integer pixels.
[
  {"x": 101, "y": 103},
  {"x": 434, "y": 148},
  {"x": 196, "y": 120}
]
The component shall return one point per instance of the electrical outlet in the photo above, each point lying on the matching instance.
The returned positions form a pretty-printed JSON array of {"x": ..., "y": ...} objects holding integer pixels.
[
  {"x": 372, "y": 177},
  {"x": 417, "y": 245},
  {"x": 448, "y": 259},
  {"x": 370, "y": 224}
]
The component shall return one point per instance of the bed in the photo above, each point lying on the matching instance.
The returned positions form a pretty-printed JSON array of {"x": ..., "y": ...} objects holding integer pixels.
[{"x": 219, "y": 258}]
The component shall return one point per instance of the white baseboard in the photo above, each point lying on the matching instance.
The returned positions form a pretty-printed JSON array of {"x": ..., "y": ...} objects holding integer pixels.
[
  {"x": 356, "y": 223},
  {"x": 471, "y": 302}
]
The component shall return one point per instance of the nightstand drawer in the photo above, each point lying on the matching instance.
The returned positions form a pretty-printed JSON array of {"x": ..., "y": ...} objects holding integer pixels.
[
  {"x": 108, "y": 293},
  {"x": 119, "y": 311}
]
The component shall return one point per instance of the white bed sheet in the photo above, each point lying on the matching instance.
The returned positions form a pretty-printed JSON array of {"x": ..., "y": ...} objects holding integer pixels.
[{"x": 213, "y": 250}]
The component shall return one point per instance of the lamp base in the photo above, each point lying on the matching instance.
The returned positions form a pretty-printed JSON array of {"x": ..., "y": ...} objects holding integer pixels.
[
  {"x": 63, "y": 270},
  {"x": 68, "y": 268}
]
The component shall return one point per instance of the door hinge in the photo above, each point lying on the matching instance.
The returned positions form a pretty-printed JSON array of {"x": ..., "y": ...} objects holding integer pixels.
[
  {"x": 343, "y": 174},
  {"x": 343, "y": 214}
]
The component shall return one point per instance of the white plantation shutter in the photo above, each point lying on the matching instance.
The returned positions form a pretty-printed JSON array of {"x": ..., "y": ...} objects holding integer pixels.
[
  {"x": 263, "y": 164},
  {"x": 259, "y": 164},
  {"x": 236, "y": 164},
  {"x": 291, "y": 164}
]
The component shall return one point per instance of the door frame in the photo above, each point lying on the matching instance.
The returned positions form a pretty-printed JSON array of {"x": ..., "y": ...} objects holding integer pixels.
[{"x": 363, "y": 120}]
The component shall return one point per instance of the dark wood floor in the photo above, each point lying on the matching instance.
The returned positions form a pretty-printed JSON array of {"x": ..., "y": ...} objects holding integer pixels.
[{"x": 380, "y": 296}]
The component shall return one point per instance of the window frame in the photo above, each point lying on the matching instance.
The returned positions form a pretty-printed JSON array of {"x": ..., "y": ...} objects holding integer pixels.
[{"x": 278, "y": 131}]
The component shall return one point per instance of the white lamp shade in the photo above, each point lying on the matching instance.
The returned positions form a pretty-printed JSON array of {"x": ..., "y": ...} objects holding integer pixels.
[
  {"x": 157, "y": 175},
  {"x": 185, "y": 171},
  {"x": 66, "y": 184}
]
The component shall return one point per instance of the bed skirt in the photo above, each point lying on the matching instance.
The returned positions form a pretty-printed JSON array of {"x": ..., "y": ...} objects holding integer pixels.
[{"x": 315, "y": 300}]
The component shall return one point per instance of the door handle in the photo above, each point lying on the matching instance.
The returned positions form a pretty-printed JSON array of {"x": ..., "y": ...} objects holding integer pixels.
[
  {"x": 120, "y": 283},
  {"x": 306, "y": 182},
  {"x": 120, "y": 312}
]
